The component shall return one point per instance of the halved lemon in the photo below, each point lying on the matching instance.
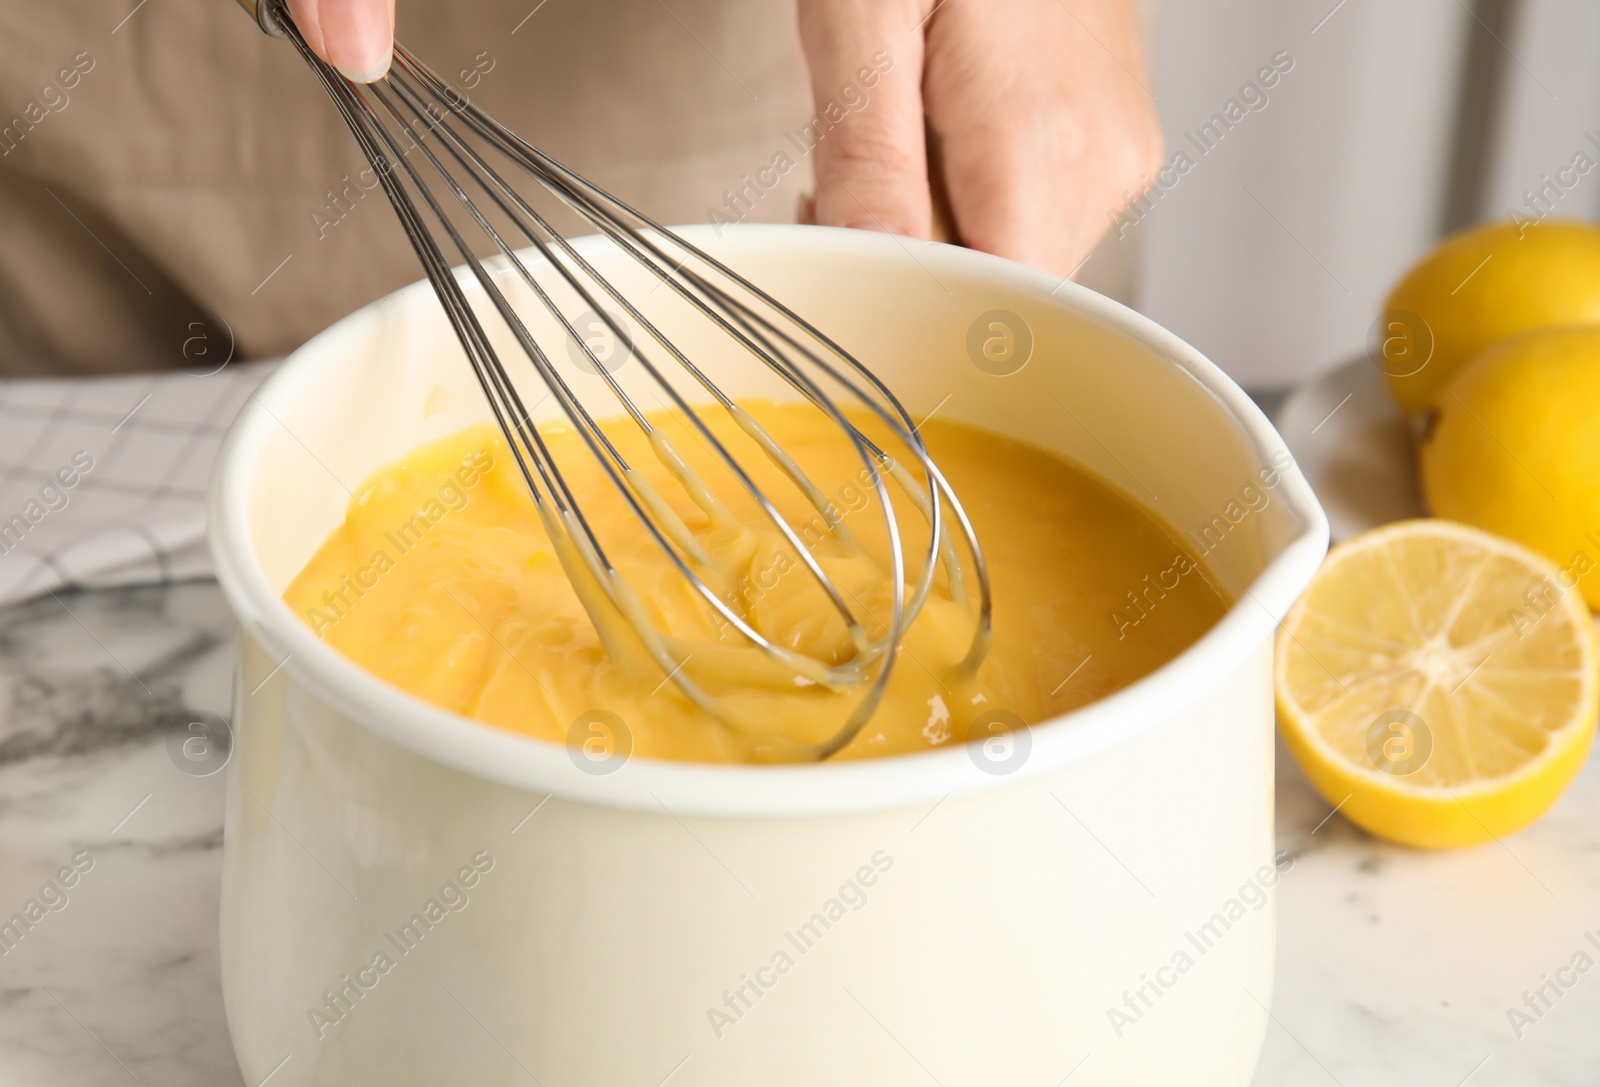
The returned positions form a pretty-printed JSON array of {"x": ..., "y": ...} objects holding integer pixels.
[{"x": 1438, "y": 683}]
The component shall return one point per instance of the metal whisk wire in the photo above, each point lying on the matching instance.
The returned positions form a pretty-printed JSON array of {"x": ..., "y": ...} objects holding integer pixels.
[{"x": 419, "y": 107}]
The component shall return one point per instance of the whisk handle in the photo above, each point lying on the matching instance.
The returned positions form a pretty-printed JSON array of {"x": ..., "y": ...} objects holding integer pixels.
[{"x": 267, "y": 14}]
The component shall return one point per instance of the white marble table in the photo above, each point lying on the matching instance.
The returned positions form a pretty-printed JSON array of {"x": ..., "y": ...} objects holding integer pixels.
[{"x": 1395, "y": 968}]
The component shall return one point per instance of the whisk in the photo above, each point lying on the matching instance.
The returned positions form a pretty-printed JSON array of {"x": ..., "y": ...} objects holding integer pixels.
[{"x": 465, "y": 156}]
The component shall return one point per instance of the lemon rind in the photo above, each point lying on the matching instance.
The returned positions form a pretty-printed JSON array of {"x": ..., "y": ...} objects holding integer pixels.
[{"x": 1293, "y": 717}]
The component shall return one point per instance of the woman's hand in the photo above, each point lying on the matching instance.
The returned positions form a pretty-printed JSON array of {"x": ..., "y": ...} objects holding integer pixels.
[
  {"x": 355, "y": 36},
  {"x": 1047, "y": 129},
  {"x": 1046, "y": 126}
]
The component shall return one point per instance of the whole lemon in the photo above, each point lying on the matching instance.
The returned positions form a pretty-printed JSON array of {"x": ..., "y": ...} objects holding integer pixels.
[
  {"x": 1515, "y": 448},
  {"x": 1479, "y": 287}
]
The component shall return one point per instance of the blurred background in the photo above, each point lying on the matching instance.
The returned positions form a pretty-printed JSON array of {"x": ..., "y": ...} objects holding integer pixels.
[
  {"x": 192, "y": 191},
  {"x": 1399, "y": 123}
]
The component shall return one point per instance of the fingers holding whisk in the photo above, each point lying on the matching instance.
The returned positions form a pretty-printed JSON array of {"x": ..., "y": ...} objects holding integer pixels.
[{"x": 681, "y": 434}]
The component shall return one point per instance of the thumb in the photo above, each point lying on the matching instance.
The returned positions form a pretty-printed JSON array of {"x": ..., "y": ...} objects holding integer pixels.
[
  {"x": 865, "y": 58},
  {"x": 355, "y": 36}
]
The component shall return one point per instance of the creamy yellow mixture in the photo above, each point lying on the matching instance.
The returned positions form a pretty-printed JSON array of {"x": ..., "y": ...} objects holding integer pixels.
[{"x": 443, "y": 581}]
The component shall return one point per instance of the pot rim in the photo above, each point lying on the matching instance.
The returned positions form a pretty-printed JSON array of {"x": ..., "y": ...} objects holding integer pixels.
[{"x": 920, "y": 778}]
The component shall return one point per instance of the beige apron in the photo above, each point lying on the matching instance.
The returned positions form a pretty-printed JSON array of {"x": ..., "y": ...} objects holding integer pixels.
[{"x": 174, "y": 185}]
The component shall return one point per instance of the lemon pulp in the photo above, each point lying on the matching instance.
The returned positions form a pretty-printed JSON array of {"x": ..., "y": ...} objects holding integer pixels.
[{"x": 1438, "y": 683}]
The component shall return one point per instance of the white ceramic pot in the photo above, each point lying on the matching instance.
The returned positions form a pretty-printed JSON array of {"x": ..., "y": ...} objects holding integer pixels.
[{"x": 413, "y": 898}]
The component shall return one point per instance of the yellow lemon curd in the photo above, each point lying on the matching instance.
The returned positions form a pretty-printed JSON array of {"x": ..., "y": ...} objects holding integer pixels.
[{"x": 443, "y": 581}]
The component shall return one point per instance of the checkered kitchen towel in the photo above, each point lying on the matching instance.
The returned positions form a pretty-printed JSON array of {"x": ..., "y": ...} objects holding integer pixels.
[{"x": 103, "y": 480}]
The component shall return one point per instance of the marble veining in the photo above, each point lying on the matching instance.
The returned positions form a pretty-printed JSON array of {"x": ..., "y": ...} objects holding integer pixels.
[
  {"x": 1395, "y": 967},
  {"x": 121, "y": 984}
]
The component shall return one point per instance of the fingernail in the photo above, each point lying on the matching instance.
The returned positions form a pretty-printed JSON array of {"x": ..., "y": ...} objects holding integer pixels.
[
  {"x": 367, "y": 75},
  {"x": 366, "y": 44}
]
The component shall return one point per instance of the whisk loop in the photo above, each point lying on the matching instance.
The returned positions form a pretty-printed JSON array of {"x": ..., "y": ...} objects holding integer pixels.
[{"x": 462, "y": 153}]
